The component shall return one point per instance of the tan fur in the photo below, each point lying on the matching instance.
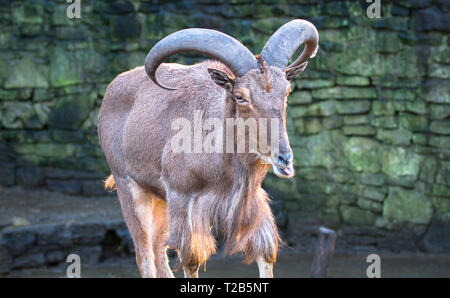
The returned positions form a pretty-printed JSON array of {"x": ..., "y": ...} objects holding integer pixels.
[
  {"x": 159, "y": 237},
  {"x": 110, "y": 184}
]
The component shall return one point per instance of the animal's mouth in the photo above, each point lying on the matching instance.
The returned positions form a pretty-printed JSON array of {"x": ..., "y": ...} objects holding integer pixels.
[
  {"x": 280, "y": 170},
  {"x": 286, "y": 172}
]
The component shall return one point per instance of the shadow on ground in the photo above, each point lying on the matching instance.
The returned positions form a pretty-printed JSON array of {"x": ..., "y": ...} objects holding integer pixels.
[{"x": 295, "y": 265}]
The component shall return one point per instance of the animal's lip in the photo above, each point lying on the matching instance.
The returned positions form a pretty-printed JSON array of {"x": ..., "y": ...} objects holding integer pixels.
[
  {"x": 281, "y": 171},
  {"x": 284, "y": 172}
]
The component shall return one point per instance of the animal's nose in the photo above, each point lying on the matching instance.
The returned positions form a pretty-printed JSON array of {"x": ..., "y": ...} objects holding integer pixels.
[{"x": 285, "y": 158}]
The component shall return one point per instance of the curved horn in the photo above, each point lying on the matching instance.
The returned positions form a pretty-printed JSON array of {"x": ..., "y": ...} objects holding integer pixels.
[
  {"x": 287, "y": 39},
  {"x": 205, "y": 41}
]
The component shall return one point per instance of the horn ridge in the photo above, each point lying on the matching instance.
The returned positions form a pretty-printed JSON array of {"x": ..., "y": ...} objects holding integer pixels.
[
  {"x": 212, "y": 43},
  {"x": 287, "y": 39}
]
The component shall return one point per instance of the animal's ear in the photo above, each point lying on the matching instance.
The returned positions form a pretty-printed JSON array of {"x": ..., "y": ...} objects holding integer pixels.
[
  {"x": 221, "y": 79},
  {"x": 291, "y": 73}
]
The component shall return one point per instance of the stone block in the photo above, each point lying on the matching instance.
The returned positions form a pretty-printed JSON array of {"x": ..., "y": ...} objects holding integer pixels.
[
  {"x": 27, "y": 74},
  {"x": 407, "y": 206},
  {"x": 30, "y": 177},
  {"x": 353, "y": 107},
  {"x": 344, "y": 93},
  {"x": 398, "y": 162},
  {"x": 357, "y": 216},
  {"x": 362, "y": 154}
]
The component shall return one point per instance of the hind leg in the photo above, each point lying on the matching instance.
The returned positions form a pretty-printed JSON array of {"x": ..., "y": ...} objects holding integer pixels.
[
  {"x": 159, "y": 239},
  {"x": 137, "y": 211}
]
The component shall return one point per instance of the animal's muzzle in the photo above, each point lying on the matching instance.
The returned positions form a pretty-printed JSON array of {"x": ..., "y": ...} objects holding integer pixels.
[
  {"x": 284, "y": 159},
  {"x": 283, "y": 164}
]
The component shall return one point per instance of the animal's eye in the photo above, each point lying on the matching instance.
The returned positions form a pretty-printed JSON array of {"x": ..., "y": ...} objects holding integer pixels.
[{"x": 239, "y": 98}]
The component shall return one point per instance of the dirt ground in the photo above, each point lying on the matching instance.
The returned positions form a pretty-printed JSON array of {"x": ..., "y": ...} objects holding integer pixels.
[
  {"x": 296, "y": 265},
  {"x": 23, "y": 208}
]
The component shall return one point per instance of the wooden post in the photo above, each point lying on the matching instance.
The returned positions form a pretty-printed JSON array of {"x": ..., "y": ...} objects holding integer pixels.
[{"x": 323, "y": 253}]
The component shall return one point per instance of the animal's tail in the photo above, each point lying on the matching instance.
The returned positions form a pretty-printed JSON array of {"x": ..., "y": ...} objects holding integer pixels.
[{"x": 110, "y": 183}]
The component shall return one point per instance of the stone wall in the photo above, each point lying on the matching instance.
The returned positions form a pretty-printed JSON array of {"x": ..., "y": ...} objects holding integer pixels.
[{"x": 369, "y": 120}]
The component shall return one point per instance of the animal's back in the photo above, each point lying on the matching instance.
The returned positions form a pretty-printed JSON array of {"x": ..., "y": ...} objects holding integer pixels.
[
  {"x": 116, "y": 106},
  {"x": 134, "y": 124}
]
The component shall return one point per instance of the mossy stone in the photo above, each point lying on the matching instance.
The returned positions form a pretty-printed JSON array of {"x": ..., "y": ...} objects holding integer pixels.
[
  {"x": 384, "y": 122},
  {"x": 388, "y": 42},
  {"x": 353, "y": 107},
  {"x": 418, "y": 107},
  {"x": 46, "y": 151},
  {"x": 396, "y": 137},
  {"x": 63, "y": 68},
  {"x": 77, "y": 107},
  {"x": 124, "y": 28},
  {"x": 19, "y": 115},
  {"x": 28, "y": 12},
  {"x": 436, "y": 92},
  {"x": 359, "y": 130},
  {"x": 332, "y": 122},
  {"x": 362, "y": 154},
  {"x": 300, "y": 97},
  {"x": 374, "y": 194},
  {"x": 429, "y": 168},
  {"x": 315, "y": 151},
  {"x": 440, "y": 127},
  {"x": 442, "y": 207},
  {"x": 382, "y": 108},
  {"x": 369, "y": 205},
  {"x": 439, "y": 142},
  {"x": 419, "y": 138},
  {"x": 413, "y": 122},
  {"x": 312, "y": 84},
  {"x": 357, "y": 216},
  {"x": 312, "y": 126},
  {"x": 439, "y": 111},
  {"x": 407, "y": 206},
  {"x": 323, "y": 108},
  {"x": 344, "y": 93},
  {"x": 441, "y": 190},
  {"x": 443, "y": 176},
  {"x": 353, "y": 81},
  {"x": 26, "y": 74},
  {"x": 398, "y": 94},
  {"x": 398, "y": 162}
]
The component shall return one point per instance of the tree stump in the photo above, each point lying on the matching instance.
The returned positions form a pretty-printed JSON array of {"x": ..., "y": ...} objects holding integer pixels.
[{"x": 323, "y": 252}]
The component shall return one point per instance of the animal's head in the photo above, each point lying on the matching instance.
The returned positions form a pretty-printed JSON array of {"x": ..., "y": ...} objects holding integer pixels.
[{"x": 260, "y": 85}]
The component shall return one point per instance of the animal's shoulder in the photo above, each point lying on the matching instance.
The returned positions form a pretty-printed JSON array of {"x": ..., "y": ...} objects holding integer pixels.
[{"x": 128, "y": 79}]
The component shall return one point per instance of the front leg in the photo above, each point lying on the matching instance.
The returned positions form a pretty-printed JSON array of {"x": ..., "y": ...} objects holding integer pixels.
[
  {"x": 191, "y": 271},
  {"x": 260, "y": 242},
  {"x": 265, "y": 268},
  {"x": 190, "y": 231}
]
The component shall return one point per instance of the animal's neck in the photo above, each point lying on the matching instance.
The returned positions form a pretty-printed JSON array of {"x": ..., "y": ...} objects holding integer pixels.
[
  {"x": 246, "y": 200},
  {"x": 249, "y": 171}
]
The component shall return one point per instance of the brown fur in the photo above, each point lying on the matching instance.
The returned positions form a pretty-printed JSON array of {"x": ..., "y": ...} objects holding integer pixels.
[
  {"x": 263, "y": 68},
  {"x": 200, "y": 190}
]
